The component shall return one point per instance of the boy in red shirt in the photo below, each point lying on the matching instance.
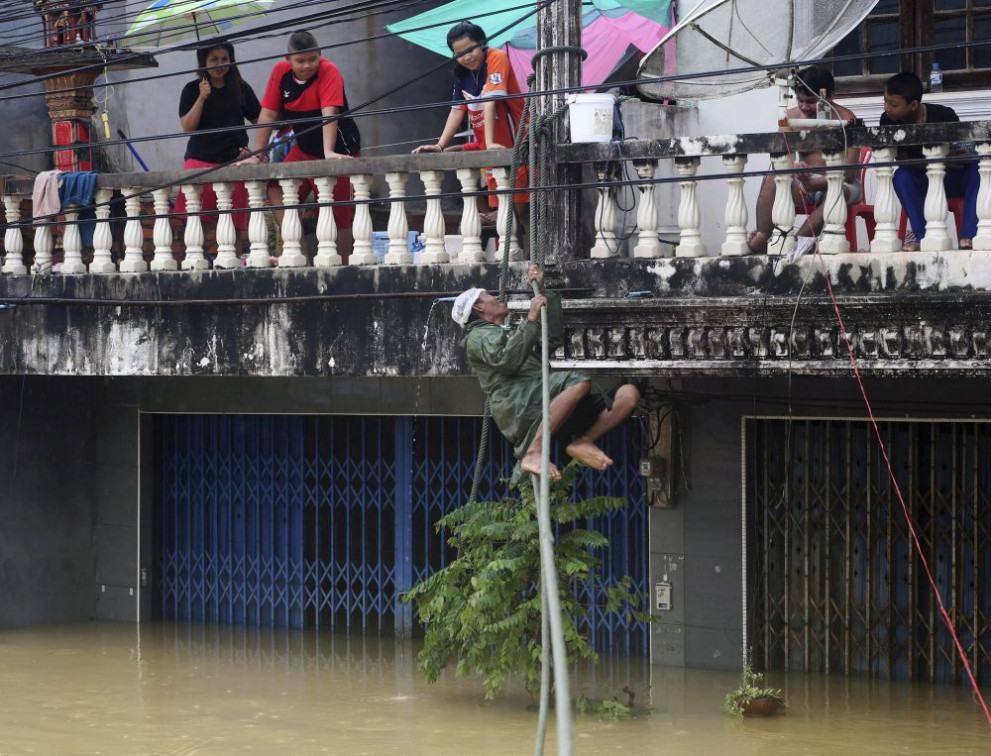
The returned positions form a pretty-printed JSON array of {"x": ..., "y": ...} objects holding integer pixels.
[{"x": 308, "y": 86}]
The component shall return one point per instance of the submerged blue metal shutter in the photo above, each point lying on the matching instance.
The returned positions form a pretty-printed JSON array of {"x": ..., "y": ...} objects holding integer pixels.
[{"x": 323, "y": 521}]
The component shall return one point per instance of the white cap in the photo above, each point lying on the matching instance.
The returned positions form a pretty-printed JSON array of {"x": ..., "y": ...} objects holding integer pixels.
[{"x": 461, "y": 310}]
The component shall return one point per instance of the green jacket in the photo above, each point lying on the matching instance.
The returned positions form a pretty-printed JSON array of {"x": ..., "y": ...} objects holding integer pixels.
[{"x": 506, "y": 360}]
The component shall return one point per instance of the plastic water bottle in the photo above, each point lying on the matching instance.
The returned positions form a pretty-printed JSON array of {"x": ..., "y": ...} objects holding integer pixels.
[
  {"x": 822, "y": 106},
  {"x": 935, "y": 79}
]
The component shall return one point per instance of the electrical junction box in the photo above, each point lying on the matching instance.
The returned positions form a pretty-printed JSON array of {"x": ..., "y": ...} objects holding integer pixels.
[{"x": 662, "y": 591}]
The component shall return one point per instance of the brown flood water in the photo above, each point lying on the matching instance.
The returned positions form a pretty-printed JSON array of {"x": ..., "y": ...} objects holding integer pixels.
[{"x": 108, "y": 688}]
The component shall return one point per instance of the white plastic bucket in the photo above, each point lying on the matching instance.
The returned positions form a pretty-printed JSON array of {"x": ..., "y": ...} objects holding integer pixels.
[{"x": 591, "y": 117}]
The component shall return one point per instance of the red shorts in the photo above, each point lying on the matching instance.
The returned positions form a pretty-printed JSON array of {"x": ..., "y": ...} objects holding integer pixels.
[
  {"x": 208, "y": 198},
  {"x": 343, "y": 214},
  {"x": 522, "y": 182}
]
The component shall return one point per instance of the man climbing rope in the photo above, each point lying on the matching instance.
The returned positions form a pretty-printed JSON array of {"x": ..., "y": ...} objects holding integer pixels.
[{"x": 506, "y": 359}]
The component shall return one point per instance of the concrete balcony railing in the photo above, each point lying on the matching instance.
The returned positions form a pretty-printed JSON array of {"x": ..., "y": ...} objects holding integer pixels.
[{"x": 686, "y": 152}]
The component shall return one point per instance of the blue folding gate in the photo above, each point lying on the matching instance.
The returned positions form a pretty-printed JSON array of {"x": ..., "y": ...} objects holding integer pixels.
[{"x": 324, "y": 521}]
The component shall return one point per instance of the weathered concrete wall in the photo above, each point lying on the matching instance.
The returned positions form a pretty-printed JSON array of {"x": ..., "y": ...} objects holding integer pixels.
[
  {"x": 926, "y": 314},
  {"x": 47, "y": 549}
]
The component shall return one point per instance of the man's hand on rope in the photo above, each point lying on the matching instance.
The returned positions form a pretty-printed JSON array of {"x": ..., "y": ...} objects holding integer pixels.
[{"x": 534, "y": 273}]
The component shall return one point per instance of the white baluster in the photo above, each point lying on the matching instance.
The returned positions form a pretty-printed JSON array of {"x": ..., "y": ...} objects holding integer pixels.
[
  {"x": 103, "y": 239},
  {"x": 162, "y": 233},
  {"x": 433, "y": 221},
  {"x": 606, "y": 243},
  {"x": 398, "y": 253},
  {"x": 13, "y": 238},
  {"x": 501, "y": 176},
  {"x": 227, "y": 258},
  {"x": 133, "y": 261},
  {"x": 647, "y": 242},
  {"x": 983, "y": 238},
  {"x": 885, "y": 204},
  {"x": 471, "y": 224},
  {"x": 327, "y": 255},
  {"x": 937, "y": 238},
  {"x": 362, "y": 224},
  {"x": 258, "y": 256},
  {"x": 833, "y": 239},
  {"x": 689, "y": 214},
  {"x": 72, "y": 243},
  {"x": 782, "y": 241},
  {"x": 193, "y": 235},
  {"x": 736, "y": 208},
  {"x": 43, "y": 244},
  {"x": 292, "y": 230}
]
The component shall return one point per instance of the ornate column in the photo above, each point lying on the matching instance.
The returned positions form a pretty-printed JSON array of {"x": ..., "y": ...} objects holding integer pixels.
[
  {"x": 43, "y": 245},
  {"x": 937, "y": 238},
  {"x": 783, "y": 208},
  {"x": 471, "y": 224},
  {"x": 227, "y": 258},
  {"x": 103, "y": 261},
  {"x": 648, "y": 244},
  {"x": 13, "y": 238},
  {"x": 133, "y": 261},
  {"x": 292, "y": 230},
  {"x": 72, "y": 243},
  {"x": 433, "y": 222},
  {"x": 983, "y": 238},
  {"x": 398, "y": 253},
  {"x": 193, "y": 235},
  {"x": 606, "y": 243},
  {"x": 689, "y": 215},
  {"x": 327, "y": 255},
  {"x": 501, "y": 176},
  {"x": 885, "y": 204},
  {"x": 162, "y": 233},
  {"x": 736, "y": 208},
  {"x": 833, "y": 239},
  {"x": 362, "y": 225},
  {"x": 258, "y": 255}
]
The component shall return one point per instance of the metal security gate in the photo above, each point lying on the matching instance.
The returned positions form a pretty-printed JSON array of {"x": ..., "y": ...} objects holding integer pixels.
[
  {"x": 833, "y": 582},
  {"x": 323, "y": 521}
]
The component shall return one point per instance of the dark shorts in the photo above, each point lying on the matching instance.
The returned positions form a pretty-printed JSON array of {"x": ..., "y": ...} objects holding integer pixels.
[{"x": 586, "y": 413}]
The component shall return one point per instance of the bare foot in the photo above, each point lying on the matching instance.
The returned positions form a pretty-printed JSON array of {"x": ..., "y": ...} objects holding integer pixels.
[
  {"x": 966, "y": 244},
  {"x": 910, "y": 247},
  {"x": 589, "y": 454},
  {"x": 531, "y": 464},
  {"x": 757, "y": 241}
]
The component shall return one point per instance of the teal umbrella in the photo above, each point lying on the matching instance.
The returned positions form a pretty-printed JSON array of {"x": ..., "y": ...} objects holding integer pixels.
[
  {"x": 498, "y": 14},
  {"x": 168, "y": 21}
]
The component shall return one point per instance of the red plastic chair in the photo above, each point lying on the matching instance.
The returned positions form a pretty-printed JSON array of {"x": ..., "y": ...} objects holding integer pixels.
[{"x": 861, "y": 209}]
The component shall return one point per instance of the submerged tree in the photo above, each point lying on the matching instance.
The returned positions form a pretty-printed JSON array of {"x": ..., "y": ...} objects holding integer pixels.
[{"x": 482, "y": 611}]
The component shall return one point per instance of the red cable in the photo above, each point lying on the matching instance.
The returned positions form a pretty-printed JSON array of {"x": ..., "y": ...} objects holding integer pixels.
[{"x": 898, "y": 491}]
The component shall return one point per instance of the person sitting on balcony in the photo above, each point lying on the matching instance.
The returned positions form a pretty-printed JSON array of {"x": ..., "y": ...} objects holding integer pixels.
[
  {"x": 507, "y": 360},
  {"x": 482, "y": 73},
  {"x": 308, "y": 87},
  {"x": 808, "y": 189},
  {"x": 219, "y": 98},
  {"x": 903, "y": 105}
]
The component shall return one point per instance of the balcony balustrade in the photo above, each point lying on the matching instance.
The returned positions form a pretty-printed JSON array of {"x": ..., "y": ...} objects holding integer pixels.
[{"x": 735, "y": 151}]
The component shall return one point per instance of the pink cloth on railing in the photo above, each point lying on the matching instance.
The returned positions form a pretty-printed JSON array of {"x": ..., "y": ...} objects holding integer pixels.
[
  {"x": 208, "y": 198},
  {"x": 44, "y": 197},
  {"x": 606, "y": 40}
]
